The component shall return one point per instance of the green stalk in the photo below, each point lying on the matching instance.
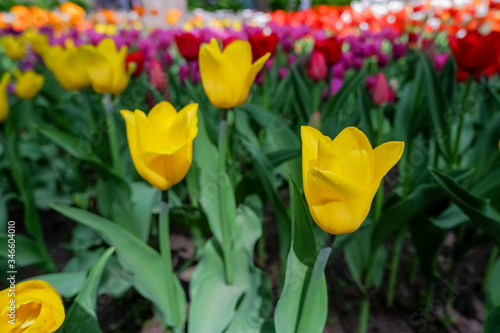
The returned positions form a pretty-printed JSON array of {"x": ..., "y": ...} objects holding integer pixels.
[
  {"x": 364, "y": 315},
  {"x": 90, "y": 112},
  {"x": 112, "y": 139},
  {"x": 456, "y": 147},
  {"x": 398, "y": 245},
  {"x": 164, "y": 234},
  {"x": 225, "y": 222},
  {"x": 491, "y": 262},
  {"x": 379, "y": 198}
]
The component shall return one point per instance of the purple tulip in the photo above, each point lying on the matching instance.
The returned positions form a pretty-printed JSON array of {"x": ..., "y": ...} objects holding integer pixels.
[{"x": 398, "y": 50}]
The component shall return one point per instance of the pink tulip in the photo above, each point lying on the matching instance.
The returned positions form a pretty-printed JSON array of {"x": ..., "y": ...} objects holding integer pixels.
[{"x": 317, "y": 69}]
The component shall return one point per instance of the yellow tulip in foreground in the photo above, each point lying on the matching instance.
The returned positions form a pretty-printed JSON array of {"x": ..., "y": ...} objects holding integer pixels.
[
  {"x": 36, "y": 307},
  {"x": 68, "y": 66},
  {"x": 161, "y": 143},
  {"x": 341, "y": 176},
  {"x": 13, "y": 46},
  {"x": 105, "y": 67},
  {"x": 4, "y": 102},
  {"x": 227, "y": 76},
  {"x": 28, "y": 84}
]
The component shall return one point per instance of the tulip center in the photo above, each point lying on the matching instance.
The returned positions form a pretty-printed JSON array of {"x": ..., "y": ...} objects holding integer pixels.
[{"x": 27, "y": 314}]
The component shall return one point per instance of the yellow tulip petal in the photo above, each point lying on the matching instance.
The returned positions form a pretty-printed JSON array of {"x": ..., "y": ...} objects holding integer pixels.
[
  {"x": 191, "y": 111},
  {"x": 325, "y": 186},
  {"x": 239, "y": 55},
  {"x": 310, "y": 137},
  {"x": 355, "y": 168},
  {"x": 341, "y": 217},
  {"x": 352, "y": 138},
  {"x": 98, "y": 69},
  {"x": 386, "y": 156},
  {"x": 255, "y": 69},
  {"x": 162, "y": 115},
  {"x": 4, "y": 103}
]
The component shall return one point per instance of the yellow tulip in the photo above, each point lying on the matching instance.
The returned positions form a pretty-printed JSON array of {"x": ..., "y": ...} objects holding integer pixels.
[
  {"x": 36, "y": 307},
  {"x": 4, "y": 102},
  {"x": 68, "y": 66},
  {"x": 227, "y": 76},
  {"x": 341, "y": 176},
  {"x": 161, "y": 143},
  {"x": 105, "y": 67},
  {"x": 13, "y": 46},
  {"x": 28, "y": 84},
  {"x": 39, "y": 42}
]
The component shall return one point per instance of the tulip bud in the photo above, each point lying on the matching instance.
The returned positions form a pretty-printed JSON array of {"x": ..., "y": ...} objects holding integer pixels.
[
  {"x": 315, "y": 120},
  {"x": 317, "y": 69},
  {"x": 382, "y": 93}
]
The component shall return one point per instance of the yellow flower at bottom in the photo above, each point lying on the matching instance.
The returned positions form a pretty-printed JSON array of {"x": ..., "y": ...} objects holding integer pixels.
[
  {"x": 161, "y": 143},
  {"x": 341, "y": 176},
  {"x": 28, "y": 84},
  {"x": 37, "y": 306},
  {"x": 227, "y": 76},
  {"x": 4, "y": 102}
]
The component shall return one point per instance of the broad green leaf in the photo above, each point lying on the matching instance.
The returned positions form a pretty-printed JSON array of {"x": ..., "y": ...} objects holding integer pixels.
[
  {"x": 492, "y": 323},
  {"x": 208, "y": 284},
  {"x": 492, "y": 289},
  {"x": 144, "y": 197},
  {"x": 82, "y": 314},
  {"x": 145, "y": 264},
  {"x": 206, "y": 158},
  {"x": 66, "y": 284},
  {"x": 293, "y": 301},
  {"x": 27, "y": 251},
  {"x": 449, "y": 218},
  {"x": 302, "y": 93},
  {"x": 478, "y": 210}
]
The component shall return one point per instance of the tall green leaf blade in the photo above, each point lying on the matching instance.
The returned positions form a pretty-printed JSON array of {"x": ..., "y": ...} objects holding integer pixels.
[
  {"x": 142, "y": 261},
  {"x": 293, "y": 302},
  {"x": 478, "y": 210},
  {"x": 82, "y": 314}
]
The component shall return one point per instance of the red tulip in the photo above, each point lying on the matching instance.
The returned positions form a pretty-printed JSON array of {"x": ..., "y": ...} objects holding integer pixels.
[
  {"x": 382, "y": 93},
  {"x": 317, "y": 69},
  {"x": 188, "y": 45},
  {"x": 331, "y": 48},
  {"x": 135, "y": 59},
  {"x": 474, "y": 52},
  {"x": 157, "y": 75},
  {"x": 262, "y": 44},
  {"x": 228, "y": 40}
]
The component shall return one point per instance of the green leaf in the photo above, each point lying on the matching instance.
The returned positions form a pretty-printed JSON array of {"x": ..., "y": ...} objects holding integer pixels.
[
  {"x": 82, "y": 314},
  {"x": 145, "y": 264},
  {"x": 144, "y": 197},
  {"x": 341, "y": 96},
  {"x": 403, "y": 210},
  {"x": 265, "y": 172},
  {"x": 294, "y": 301},
  {"x": 450, "y": 218},
  {"x": 27, "y": 251},
  {"x": 81, "y": 149},
  {"x": 66, "y": 284},
  {"x": 492, "y": 323},
  {"x": 206, "y": 158},
  {"x": 492, "y": 289},
  {"x": 302, "y": 93},
  {"x": 479, "y": 210},
  {"x": 438, "y": 105}
]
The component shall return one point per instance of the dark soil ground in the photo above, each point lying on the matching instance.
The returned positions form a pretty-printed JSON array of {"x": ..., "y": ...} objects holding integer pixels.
[{"x": 133, "y": 314}]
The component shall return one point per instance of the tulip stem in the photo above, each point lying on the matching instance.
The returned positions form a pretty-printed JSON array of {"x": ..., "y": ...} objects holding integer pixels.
[
  {"x": 364, "y": 315},
  {"x": 461, "y": 116},
  {"x": 398, "y": 245},
  {"x": 164, "y": 234},
  {"x": 225, "y": 181},
  {"x": 111, "y": 127}
]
